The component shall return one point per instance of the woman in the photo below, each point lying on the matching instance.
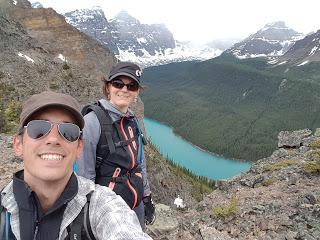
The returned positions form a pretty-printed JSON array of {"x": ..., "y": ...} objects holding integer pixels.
[{"x": 113, "y": 154}]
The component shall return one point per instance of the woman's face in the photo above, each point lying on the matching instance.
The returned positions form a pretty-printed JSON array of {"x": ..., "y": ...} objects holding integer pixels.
[{"x": 119, "y": 94}]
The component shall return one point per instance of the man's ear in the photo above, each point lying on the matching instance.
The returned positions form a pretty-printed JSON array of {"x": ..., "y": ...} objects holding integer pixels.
[
  {"x": 18, "y": 145},
  {"x": 80, "y": 147}
]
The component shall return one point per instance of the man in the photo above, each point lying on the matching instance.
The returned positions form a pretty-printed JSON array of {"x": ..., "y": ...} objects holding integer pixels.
[{"x": 46, "y": 198}]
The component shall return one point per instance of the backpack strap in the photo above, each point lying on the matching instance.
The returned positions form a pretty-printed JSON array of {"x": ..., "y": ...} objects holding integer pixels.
[
  {"x": 80, "y": 228},
  {"x": 2, "y": 220},
  {"x": 5, "y": 227},
  {"x": 86, "y": 223},
  {"x": 105, "y": 141},
  {"x": 141, "y": 140}
]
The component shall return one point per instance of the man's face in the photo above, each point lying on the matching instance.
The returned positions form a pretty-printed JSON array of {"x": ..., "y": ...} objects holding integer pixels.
[{"x": 50, "y": 158}]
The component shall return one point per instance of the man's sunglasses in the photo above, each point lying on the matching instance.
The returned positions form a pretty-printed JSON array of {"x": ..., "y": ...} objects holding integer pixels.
[
  {"x": 119, "y": 84},
  {"x": 38, "y": 129}
]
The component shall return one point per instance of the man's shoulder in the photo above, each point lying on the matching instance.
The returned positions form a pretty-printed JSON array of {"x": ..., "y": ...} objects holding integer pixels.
[{"x": 86, "y": 186}]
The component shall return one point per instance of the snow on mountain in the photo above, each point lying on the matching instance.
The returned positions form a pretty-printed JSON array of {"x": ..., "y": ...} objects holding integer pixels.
[
  {"x": 36, "y": 5},
  {"x": 182, "y": 52},
  {"x": 131, "y": 40},
  {"x": 303, "y": 51},
  {"x": 273, "y": 39}
]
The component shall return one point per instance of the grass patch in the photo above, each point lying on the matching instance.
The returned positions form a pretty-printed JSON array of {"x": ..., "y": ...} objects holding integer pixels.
[
  {"x": 279, "y": 165},
  {"x": 316, "y": 155},
  {"x": 312, "y": 167},
  {"x": 269, "y": 182},
  {"x": 231, "y": 209},
  {"x": 315, "y": 144}
]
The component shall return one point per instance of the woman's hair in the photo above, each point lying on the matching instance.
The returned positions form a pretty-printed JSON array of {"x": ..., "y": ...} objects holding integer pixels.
[{"x": 105, "y": 89}]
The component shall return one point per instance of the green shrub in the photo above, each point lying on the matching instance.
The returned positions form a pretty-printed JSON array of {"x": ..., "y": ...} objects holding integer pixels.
[
  {"x": 11, "y": 116},
  {"x": 279, "y": 165},
  {"x": 312, "y": 167},
  {"x": 200, "y": 185},
  {"x": 13, "y": 111},
  {"x": 65, "y": 66},
  {"x": 227, "y": 211}
]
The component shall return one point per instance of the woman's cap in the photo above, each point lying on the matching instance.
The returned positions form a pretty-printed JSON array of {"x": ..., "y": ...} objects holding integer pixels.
[
  {"x": 125, "y": 69},
  {"x": 46, "y": 99}
]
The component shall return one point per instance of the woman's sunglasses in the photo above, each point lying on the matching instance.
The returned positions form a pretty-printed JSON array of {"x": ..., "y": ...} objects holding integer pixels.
[
  {"x": 133, "y": 86},
  {"x": 38, "y": 129}
]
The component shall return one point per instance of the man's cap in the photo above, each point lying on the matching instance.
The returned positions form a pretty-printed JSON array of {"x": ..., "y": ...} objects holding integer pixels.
[
  {"x": 125, "y": 69},
  {"x": 50, "y": 99}
]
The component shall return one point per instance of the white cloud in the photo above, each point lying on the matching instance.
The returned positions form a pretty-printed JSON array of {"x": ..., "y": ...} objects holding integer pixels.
[{"x": 205, "y": 20}]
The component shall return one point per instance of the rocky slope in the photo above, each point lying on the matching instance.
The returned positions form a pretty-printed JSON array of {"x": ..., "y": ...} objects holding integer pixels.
[
  {"x": 303, "y": 51},
  {"x": 279, "y": 198},
  {"x": 36, "y": 54},
  {"x": 51, "y": 29}
]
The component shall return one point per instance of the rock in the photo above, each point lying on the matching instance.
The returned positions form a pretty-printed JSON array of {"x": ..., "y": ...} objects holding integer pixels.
[
  {"x": 292, "y": 139},
  {"x": 279, "y": 153},
  {"x": 166, "y": 222},
  {"x": 317, "y": 132},
  {"x": 210, "y": 233},
  {"x": 310, "y": 199}
]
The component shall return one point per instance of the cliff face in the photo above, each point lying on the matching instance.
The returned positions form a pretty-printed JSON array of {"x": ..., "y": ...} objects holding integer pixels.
[
  {"x": 54, "y": 34},
  {"x": 40, "y": 51}
]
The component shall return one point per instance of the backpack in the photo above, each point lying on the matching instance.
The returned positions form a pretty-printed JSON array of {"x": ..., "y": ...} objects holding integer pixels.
[
  {"x": 124, "y": 182},
  {"x": 79, "y": 229}
]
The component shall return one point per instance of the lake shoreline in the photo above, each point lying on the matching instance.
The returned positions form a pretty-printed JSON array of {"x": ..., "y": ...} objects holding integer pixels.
[
  {"x": 201, "y": 149},
  {"x": 186, "y": 154}
]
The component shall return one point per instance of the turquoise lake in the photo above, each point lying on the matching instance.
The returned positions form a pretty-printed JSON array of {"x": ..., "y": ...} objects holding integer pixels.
[{"x": 200, "y": 162}]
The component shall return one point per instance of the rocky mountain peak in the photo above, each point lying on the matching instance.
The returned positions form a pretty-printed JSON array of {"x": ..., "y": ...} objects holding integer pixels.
[
  {"x": 304, "y": 51},
  {"x": 37, "y": 5},
  {"x": 87, "y": 18},
  {"x": 278, "y": 24},
  {"x": 124, "y": 34},
  {"x": 130, "y": 40},
  {"x": 274, "y": 39},
  {"x": 125, "y": 17}
]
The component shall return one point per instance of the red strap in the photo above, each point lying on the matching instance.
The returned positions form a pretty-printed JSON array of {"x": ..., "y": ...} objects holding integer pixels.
[{"x": 115, "y": 174}]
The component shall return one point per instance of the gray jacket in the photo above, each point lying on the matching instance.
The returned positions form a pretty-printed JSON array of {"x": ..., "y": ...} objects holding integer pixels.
[
  {"x": 91, "y": 135},
  {"x": 110, "y": 217}
]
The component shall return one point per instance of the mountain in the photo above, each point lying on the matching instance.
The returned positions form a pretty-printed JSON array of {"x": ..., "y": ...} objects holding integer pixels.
[
  {"x": 36, "y": 5},
  {"x": 273, "y": 39},
  {"x": 124, "y": 34},
  {"x": 304, "y": 51},
  {"x": 234, "y": 107},
  {"x": 131, "y": 40}
]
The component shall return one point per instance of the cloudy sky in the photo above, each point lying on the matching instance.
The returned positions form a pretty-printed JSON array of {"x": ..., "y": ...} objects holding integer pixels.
[{"x": 201, "y": 21}]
